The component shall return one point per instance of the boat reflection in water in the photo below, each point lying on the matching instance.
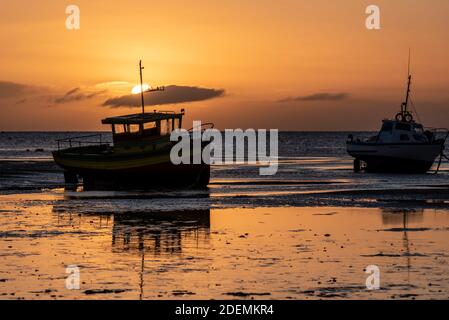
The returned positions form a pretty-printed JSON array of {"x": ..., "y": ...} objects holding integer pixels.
[
  {"x": 144, "y": 234},
  {"x": 401, "y": 220},
  {"x": 159, "y": 232},
  {"x": 402, "y": 217}
]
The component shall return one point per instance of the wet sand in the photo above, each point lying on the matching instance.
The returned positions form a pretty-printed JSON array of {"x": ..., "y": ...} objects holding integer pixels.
[
  {"x": 217, "y": 252},
  {"x": 328, "y": 182}
]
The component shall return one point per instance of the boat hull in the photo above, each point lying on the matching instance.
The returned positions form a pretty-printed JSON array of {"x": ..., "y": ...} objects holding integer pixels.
[
  {"x": 164, "y": 175},
  {"x": 98, "y": 170},
  {"x": 396, "y": 158}
]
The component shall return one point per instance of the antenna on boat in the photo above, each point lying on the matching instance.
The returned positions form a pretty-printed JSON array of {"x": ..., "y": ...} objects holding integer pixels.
[
  {"x": 408, "y": 70},
  {"x": 141, "y": 86},
  {"x": 404, "y": 105}
]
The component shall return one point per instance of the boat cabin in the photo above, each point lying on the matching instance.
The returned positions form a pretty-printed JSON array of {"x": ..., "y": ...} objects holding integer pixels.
[
  {"x": 393, "y": 131},
  {"x": 143, "y": 126}
]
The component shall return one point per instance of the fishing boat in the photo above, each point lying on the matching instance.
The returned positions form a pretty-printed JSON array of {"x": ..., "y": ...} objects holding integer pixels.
[
  {"x": 401, "y": 146},
  {"x": 138, "y": 158}
]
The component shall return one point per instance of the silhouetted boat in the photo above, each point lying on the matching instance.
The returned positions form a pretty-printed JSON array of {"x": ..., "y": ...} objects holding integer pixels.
[
  {"x": 402, "y": 145},
  {"x": 138, "y": 159}
]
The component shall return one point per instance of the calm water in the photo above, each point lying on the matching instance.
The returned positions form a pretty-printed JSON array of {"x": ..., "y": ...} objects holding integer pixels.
[{"x": 306, "y": 233}]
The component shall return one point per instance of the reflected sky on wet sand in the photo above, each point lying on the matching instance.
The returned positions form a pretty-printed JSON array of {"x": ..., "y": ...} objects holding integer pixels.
[{"x": 219, "y": 253}]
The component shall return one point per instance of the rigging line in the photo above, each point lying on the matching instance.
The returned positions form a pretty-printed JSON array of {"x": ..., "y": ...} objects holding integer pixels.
[
  {"x": 414, "y": 109},
  {"x": 409, "y": 58}
]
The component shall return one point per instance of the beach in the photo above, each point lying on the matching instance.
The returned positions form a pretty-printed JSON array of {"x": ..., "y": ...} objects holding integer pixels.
[{"x": 309, "y": 232}]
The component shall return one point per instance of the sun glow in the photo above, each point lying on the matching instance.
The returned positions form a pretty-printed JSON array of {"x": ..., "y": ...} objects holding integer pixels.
[{"x": 137, "y": 89}]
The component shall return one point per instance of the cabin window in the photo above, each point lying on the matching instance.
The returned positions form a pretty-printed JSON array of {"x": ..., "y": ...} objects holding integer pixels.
[
  {"x": 404, "y": 137},
  {"x": 149, "y": 125},
  {"x": 119, "y": 128},
  {"x": 418, "y": 129},
  {"x": 387, "y": 126},
  {"x": 150, "y": 129},
  {"x": 133, "y": 128},
  {"x": 176, "y": 124},
  {"x": 403, "y": 126},
  {"x": 166, "y": 127}
]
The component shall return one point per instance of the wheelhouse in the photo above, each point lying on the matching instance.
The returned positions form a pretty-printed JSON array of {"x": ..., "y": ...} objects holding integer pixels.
[
  {"x": 143, "y": 126},
  {"x": 405, "y": 132}
]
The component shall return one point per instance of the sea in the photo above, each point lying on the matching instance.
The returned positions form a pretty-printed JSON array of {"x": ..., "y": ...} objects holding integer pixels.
[{"x": 308, "y": 232}]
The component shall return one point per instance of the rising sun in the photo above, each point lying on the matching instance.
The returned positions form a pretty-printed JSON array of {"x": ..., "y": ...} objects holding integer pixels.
[{"x": 137, "y": 89}]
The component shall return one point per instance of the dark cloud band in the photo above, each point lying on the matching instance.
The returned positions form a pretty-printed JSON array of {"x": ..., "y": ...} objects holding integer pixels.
[
  {"x": 76, "y": 95},
  {"x": 322, "y": 96},
  {"x": 13, "y": 90},
  {"x": 171, "y": 95}
]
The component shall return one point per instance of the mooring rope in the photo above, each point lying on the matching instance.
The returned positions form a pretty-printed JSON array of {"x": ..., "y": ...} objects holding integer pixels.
[{"x": 442, "y": 155}]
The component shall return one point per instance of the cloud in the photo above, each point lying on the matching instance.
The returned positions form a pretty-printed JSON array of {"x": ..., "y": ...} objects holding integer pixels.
[
  {"x": 76, "y": 94},
  {"x": 112, "y": 84},
  {"x": 13, "y": 90},
  {"x": 171, "y": 95},
  {"x": 321, "y": 96},
  {"x": 21, "y": 101}
]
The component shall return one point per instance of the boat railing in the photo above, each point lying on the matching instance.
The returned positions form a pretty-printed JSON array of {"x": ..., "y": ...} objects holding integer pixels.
[
  {"x": 362, "y": 139},
  {"x": 439, "y": 131},
  {"x": 80, "y": 141},
  {"x": 165, "y": 111},
  {"x": 202, "y": 127}
]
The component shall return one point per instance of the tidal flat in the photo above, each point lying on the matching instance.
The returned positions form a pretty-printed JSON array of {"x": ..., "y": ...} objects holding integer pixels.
[{"x": 218, "y": 253}]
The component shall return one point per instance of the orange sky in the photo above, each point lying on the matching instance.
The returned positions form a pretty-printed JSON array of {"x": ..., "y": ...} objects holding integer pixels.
[{"x": 257, "y": 51}]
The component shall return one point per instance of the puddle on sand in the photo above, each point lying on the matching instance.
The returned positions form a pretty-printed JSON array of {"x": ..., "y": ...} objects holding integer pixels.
[{"x": 210, "y": 253}]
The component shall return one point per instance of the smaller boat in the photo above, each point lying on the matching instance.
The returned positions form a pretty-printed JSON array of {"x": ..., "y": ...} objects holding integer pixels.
[
  {"x": 401, "y": 146},
  {"x": 139, "y": 157}
]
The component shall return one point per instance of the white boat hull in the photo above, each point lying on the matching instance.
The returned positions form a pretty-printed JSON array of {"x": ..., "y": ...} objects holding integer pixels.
[{"x": 396, "y": 157}]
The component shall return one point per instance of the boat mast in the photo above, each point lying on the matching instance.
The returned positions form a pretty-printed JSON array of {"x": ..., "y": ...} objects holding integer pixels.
[
  {"x": 141, "y": 86},
  {"x": 405, "y": 104},
  {"x": 148, "y": 90}
]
